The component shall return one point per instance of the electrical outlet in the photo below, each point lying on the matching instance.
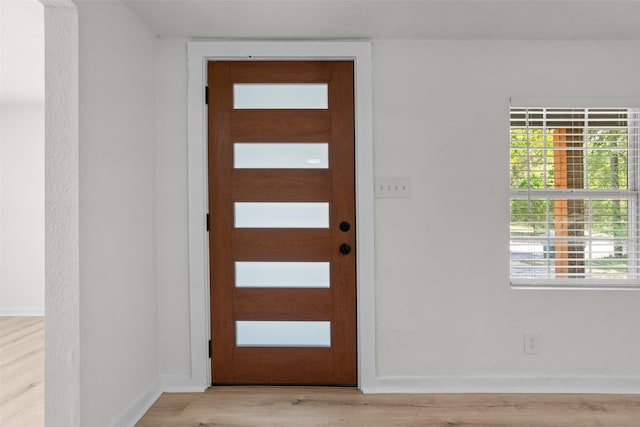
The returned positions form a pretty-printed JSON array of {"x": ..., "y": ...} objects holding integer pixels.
[
  {"x": 392, "y": 188},
  {"x": 531, "y": 343}
]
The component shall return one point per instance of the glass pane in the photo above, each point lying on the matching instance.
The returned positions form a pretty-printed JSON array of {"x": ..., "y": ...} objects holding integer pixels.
[
  {"x": 281, "y": 96},
  {"x": 281, "y": 215},
  {"x": 283, "y": 334},
  {"x": 280, "y": 156},
  {"x": 569, "y": 149},
  {"x": 571, "y": 239},
  {"x": 282, "y": 274}
]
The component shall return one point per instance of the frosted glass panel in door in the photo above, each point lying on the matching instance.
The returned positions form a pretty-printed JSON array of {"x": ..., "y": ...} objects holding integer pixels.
[
  {"x": 281, "y": 96},
  {"x": 280, "y": 156},
  {"x": 283, "y": 333},
  {"x": 281, "y": 215},
  {"x": 282, "y": 274}
]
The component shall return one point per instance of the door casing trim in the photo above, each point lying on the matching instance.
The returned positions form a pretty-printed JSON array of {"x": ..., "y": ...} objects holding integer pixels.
[{"x": 198, "y": 54}]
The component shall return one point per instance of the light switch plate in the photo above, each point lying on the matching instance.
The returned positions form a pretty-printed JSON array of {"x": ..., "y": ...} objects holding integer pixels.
[{"x": 393, "y": 188}]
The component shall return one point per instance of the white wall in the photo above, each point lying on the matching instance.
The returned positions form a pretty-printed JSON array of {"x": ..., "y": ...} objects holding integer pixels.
[
  {"x": 118, "y": 298},
  {"x": 21, "y": 158},
  {"x": 22, "y": 216},
  {"x": 441, "y": 118},
  {"x": 172, "y": 236},
  {"x": 444, "y": 306}
]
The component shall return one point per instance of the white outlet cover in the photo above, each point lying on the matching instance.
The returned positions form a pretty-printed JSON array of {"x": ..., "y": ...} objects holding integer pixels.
[{"x": 532, "y": 343}]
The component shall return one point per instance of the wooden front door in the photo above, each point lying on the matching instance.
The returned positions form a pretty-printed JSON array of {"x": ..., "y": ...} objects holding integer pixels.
[{"x": 282, "y": 235}]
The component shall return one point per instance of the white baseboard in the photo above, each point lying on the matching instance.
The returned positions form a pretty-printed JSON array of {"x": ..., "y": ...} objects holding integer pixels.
[
  {"x": 139, "y": 406},
  {"x": 181, "y": 384},
  {"x": 164, "y": 384},
  {"x": 605, "y": 385},
  {"x": 22, "y": 311}
]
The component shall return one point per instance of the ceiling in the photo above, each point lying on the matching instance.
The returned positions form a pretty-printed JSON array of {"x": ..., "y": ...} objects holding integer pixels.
[{"x": 401, "y": 19}]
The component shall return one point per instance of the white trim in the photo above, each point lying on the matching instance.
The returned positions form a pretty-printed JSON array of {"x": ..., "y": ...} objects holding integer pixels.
[
  {"x": 180, "y": 384},
  {"x": 139, "y": 406},
  {"x": 164, "y": 384},
  {"x": 574, "y": 101},
  {"x": 508, "y": 384},
  {"x": 532, "y": 285},
  {"x": 198, "y": 54},
  {"x": 22, "y": 311}
]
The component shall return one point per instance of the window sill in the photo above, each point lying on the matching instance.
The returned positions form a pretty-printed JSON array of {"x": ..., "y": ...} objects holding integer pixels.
[{"x": 595, "y": 285}]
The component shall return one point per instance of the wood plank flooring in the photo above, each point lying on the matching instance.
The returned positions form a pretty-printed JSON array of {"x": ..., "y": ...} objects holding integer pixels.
[
  {"x": 21, "y": 371},
  {"x": 288, "y": 406}
]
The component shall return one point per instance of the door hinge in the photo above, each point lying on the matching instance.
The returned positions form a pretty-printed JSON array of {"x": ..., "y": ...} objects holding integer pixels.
[
  {"x": 209, "y": 349},
  {"x": 208, "y": 222},
  {"x": 206, "y": 95}
]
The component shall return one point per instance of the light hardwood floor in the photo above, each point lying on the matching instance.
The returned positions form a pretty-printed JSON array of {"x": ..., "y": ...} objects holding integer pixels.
[
  {"x": 21, "y": 371},
  {"x": 275, "y": 406}
]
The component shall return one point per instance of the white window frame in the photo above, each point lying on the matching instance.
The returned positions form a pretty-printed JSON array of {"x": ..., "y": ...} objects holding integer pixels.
[
  {"x": 634, "y": 139},
  {"x": 198, "y": 54}
]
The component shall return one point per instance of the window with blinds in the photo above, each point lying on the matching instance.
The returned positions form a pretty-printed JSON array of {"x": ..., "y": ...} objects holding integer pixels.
[{"x": 574, "y": 197}]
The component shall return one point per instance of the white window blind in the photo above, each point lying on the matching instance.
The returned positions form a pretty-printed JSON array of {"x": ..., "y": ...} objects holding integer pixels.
[{"x": 574, "y": 196}]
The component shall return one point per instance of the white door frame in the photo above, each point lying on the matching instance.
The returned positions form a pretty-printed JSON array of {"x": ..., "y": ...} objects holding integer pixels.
[{"x": 199, "y": 53}]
